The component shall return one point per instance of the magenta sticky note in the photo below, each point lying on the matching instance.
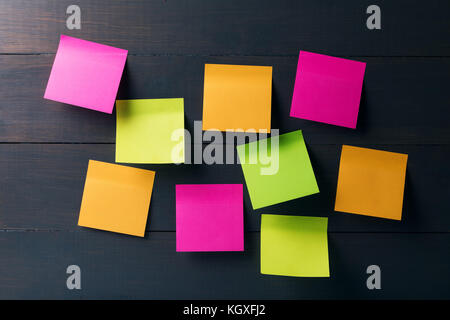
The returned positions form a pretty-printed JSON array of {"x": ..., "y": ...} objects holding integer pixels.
[
  {"x": 86, "y": 74},
  {"x": 327, "y": 89},
  {"x": 210, "y": 217}
]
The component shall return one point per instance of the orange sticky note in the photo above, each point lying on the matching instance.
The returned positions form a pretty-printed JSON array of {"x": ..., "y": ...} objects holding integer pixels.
[
  {"x": 371, "y": 182},
  {"x": 237, "y": 98},
  {"x": 116, "y": 198}
]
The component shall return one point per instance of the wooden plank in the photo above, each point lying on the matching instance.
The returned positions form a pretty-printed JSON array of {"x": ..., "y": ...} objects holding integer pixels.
[
  {"x": 404, "y": 100},
  {"x": 413, "y": 266},
  {"x": 42, "y": 187},
  {"x": 251, "y": 27}
]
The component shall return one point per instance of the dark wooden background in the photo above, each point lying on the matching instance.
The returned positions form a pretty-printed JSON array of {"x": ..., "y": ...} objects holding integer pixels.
[{"x": 45, "y": 146}]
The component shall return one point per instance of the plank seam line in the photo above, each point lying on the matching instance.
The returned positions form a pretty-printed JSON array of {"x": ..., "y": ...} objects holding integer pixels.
[
  {"x": 228, "y": 55},
  {"x": 208, "y": 143},
  {"x": 17, "y": 230}
]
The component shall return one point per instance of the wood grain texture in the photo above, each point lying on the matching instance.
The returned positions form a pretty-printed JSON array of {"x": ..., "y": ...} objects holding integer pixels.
[
  {"x": 404, "y": 100},
  {"x": 250, "y": 27},
  {"x": 42, "y": 186},
  {"x": 45, "y": 146},
  {"x": 413, "y": 266}
]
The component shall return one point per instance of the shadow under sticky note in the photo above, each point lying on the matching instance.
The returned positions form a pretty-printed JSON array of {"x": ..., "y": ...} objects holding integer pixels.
[
  {"x": 237, "y": 98},
  {"x": 294, "y": 246},
  {"x": 150, "y": 131},
  {"x": 327, "y": 89},
  {"x": 210, "y": 217},
  {"x": 86, "y": 74},
  {"x": 116, "y": 198},
  {"x": 277, "y": 169}
]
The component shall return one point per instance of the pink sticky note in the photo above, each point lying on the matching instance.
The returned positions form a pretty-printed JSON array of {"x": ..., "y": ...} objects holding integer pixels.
[
  {"x": 86, "y": 74},
  {"x": 210, "y": 217},
  {"x": 327, "y": 89}
]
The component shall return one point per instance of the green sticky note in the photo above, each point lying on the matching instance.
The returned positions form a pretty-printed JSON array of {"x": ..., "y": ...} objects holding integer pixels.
[
  {"x": 277, "y": 171},
  {"x": 150, "y": 131},
  {"x": 294, "y": 246}
]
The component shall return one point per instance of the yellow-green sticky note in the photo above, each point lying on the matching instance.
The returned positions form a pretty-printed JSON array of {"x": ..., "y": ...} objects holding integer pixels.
[
  {"x": 294, "y": 246},
  {"x": 277, "y": 169},
  {"x": 150, "y": 131}
]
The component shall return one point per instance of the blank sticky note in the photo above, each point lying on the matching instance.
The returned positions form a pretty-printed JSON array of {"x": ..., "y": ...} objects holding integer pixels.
[
  {"x": 116, "y": 198},
  {"x": 210, "y": 217},
  {"x": 86, "y": 74},
  {"x": 371, "y": 182},
  {"x": 294, "y": 246},
  {"x": 150, "y": 131},
  {"x": 327, "y": 89},
  {"x": 285, "y": 175},
  {"x": 237, "y": 98}
]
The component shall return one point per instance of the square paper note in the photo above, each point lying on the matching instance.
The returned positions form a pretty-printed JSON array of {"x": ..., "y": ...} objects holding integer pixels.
[
  {"x": 86, "y": 74},
  {"x": 294, "y": 246},
  {"x": 327, "y": 89},
  {"x": 210, "y": 217},
  {"x": 145, "y": 129},
  {"x": 237, "y": 98},
  {"x": 371, "y": 182},
  {"x": 116, "y": 198},
  {"x": 277, "y": 169}
]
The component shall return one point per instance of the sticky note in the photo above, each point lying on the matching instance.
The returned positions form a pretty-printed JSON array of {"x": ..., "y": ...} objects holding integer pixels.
[
  {"x": 116, "y": 198},
  {"x": 237, "y": 98},
  {"x": 150, "y": 131},
  {"x": 86, "y": 74},
  {"x": 371, "y": 182},
  {"x": 327, "y": 89},
  {"x": 294, "y": 246},
  {"x": 209, "y": 217},
  {"x": 284, "y": 175}
]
